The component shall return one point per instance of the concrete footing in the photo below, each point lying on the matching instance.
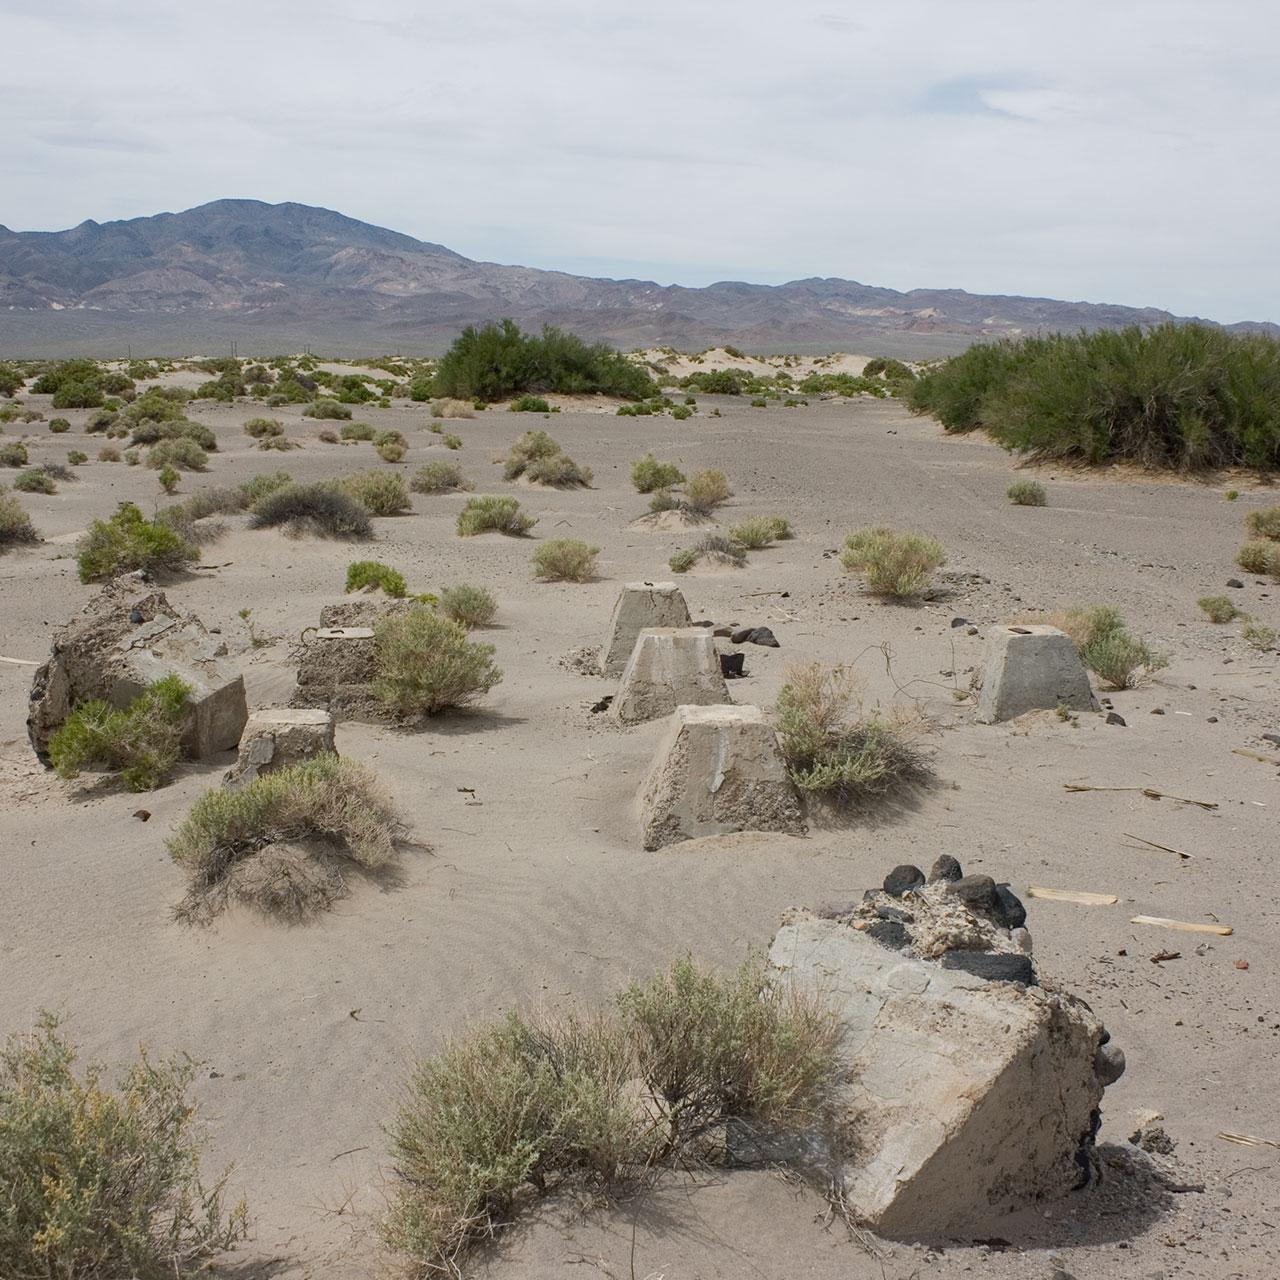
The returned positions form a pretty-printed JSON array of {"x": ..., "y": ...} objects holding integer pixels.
[
  {"x": 280, "y": 736},
  {"x": 1032, "y": 668},
  {"x": 669, "y": 667},
  {"x": 640, "y": 605},
  {"x": 718, "y": 769}
]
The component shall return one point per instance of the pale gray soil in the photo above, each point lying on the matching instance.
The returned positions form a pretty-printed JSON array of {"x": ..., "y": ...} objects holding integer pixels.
[{"x": 535, "y": 888}]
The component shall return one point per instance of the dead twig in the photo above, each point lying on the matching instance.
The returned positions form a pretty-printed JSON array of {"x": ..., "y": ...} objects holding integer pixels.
[
  {"x": 1164, "y": 848},
  {"x": 1150, "y": 792}
]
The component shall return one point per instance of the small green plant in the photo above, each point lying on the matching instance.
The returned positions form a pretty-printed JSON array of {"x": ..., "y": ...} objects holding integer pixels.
[
  {"x": 142, "y": 743},
  {"x": 1106, "y": 645},
  {"x": 1262, "y": 557},
  {"x": 539, "y": 458},
  {"x": 256, "y": 641},
  {"x": 76, "y": 458},
  {"x": 381, "y": 493},
  {"x": 426, "y": 664},
  {"x": 450, "y": 441},
  {"x": 706, "y": 491},
  {"x": 326, "y": 408},
  {"x": 469, "y": 605},
  {"x": 1231, "y": 494},
  {"x": 1259, "y": 636},
  {"x": 1218, "y": 608},
  {"x": 263, "y": 428},
  {"x": 898, "y": 565},
  {"x": 683, "y": 560},
  {"x": 439, "y": 477},
  {"x": 180, "y": 452},
  {"x": 565, "y": 560},
  {"x": 59, "y": 425},
  {"x": 530, "y": 404},
  {"x": 168, "y": 478},
  {"x": 13, "y": 454},
  {"x": 759, "y": 403},
  {"x": 104, "y": 1182},
  {"x": 1027, "y": 493},
  {"x": 358, "y": 431},
  {"x": 15, "y": 525},
  {"x": 280, "y": 444},
  {"x": 452, "y": 409},
  {"x": 501, "y": 514},
  {"x": 36, "y": 480},
  {"x": 680, "y": 412},
  {"x": 712, "y": 548},
  {"x": 1264, "y": 523},
  {"x": 648, "y": 474},
  {"x": 280, "y": 843},
  {"x": 319, "y": 508},
  {"x": 759, "y": 531},
  {"x": 366, "y": 575}
]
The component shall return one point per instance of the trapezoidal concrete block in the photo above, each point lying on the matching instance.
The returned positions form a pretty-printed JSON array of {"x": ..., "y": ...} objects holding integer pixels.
[
  {"x": 280, "y": 736},
  {"x": 1032, "y": 668},
  {"x": 963, "y": 1099},
  {"x": 640, "y": 605},
  {"x": 668, "y": 668},
  {"x": 718, "y": 769}
]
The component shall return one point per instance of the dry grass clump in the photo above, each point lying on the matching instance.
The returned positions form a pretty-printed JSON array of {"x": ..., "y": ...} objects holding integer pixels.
[
  {"x": 370, "y": 575},
  {"x": 706, "y": 491},
  {"x": 1027, "y": 493},
  {"x": 380, "y": 493},
  {"x": 280, "y": 843},
  {"x": 15, "y": 525},
  {"x": 1259, "y": 636},
  {"x": 832, "y": 748},
  {"x": 439, "y": 477},
  {"x": 180, "y": 452},
  {"x": 714, "y": 549},
  {"x": 13, "y": 454},
  {"x": 893, "y": 564},
  {"x": 649, "y": 475},
  {"x": 1261, "y": 557},
  {"x": 538, "y": 1104},
  {"x": 539, "y": 458},
  {"x": 1264, "y": 523},
  {"x": 102, "y": 1182},
  {"x": 452, "y": 409},
  {"x": 358, "y": 431},
  {"x": 499, "y": 514},
  {"x": 321, "y": 509},
  {"x": 468, "y": 605},
  {"x": 128, "y": 541},
  {"x": 1218, "y": 608},
  {"x": 1105, "y": 644},
  {"x": 108, "y": 453},
  {"x": 426, "y": 664},
  {"x": 391, "y": 446},
  {"x": 142, "y": 743},
  {"x": 760, "y": 531},
  {"x": 565, "y": 560},
  {"x": 35, "y": 480},
  {"x": 263, "y": 428}
]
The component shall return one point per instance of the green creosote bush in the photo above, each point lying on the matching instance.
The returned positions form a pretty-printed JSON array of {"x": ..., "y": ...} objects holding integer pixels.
[
  {"x": 1231, "y": 494},
  {"x": 15, "y": 524},
  {"x": 648, "y": 474},
  {"x": 706, "y": 490},
  {"x": 262, "y": 428},
  {"x": 1264, "y": 523},
  {"x": 159, "y": 432},
  {"x": 36, "y": 480},
  {"x": 452, "y": 409},
  {"x": 325, "y": 408},
  {"x": 181, "y": 452},
  {"x": 683, "y": 560},
  {"x": 439, "y": 477},
  {"x": 280, "y": 844},
  {"x": 501, "y": 514},
  {"x": 280, "y": 444},
  {"x": 565, "y": 560},
  {"x": 898, "y": 565},
  {"x": 381, "y": 493},
  {"x": 468, "y": 605},
  {"x": 257, "y": 487},
  {"x": 392, "y": 450},
  {"x": 713, "y": 548},
  {"x": 142, "y": 742},
  {"x": 537, "y": 457},
  {"x": 1105, "y": 644},
  {"x": 1259, "y": 636},
  {"x": 320, "y": 509},
  {"x": 59, "y": 425},
  {"x": 104, "y": 1182},
  {"x": 1027, "y": 493},
  {"x": 358, "y": 431},
  {"x": 128, "y": 541},
  {"x": 680, "y": 412},
  {"x": 1254, "y": 557},
  {"x": 1218, "y": 608},
  {"x": 539, "y": 1103},
  {"x": 168, "y": 478},
  {"x": 530, "y": 404},
  {"x": 76, "y": 458},
  {"x": 425, "y": 664},
  {"x": 99, "y": 420},
  {"x": 758, "y": 403},
  {"x": 369, "y": 574},
  {"x": 13, "y": 454},
  {"x": 108, "y": 453},
  {"x": 760, "y": 531},
  {"x": 450, "y": 441}
]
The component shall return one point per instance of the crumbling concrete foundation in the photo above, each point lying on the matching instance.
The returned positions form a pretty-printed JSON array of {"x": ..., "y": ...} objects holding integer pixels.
[
  {"x": 1032, "y": 668},
  {"x": 669, "y": 667},
  {"x": 280, "y": 736},
  {"x": 336, "y": 668},
  {"x": 640, "y": 606}
]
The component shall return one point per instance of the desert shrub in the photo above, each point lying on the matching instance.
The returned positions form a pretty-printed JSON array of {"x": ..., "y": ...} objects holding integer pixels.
[
  {"x": 257, "y": 487},
  {"x": 99, "y": 420},
  {"x": 1259, "y": 636},
  {"x": 889, "y": 369},
  {"x": 759, "y": 403},
  {"x": 529, "y": 404},
  {"x": 721, "y": 382},
  {"x": 1253, "y": 557},
  {"x": 15, "y": 524},
  {"x": 450, "y": 441},
  {"x": 537, "y": 451},
  {"x": 181, "y": 452},
  {"x": 380, "y": 493},
  {"x": 537, "y": 1104},
  {"x": 76, "y": 458},
  {"x": 182, "y": 429},
  {"x": 893, "y": 564},
  {"x": 469, "y": 605},
  {"x": 842, "y": 384},
  {"x": 1104, "y": 642},
  {"x": 319, "y": 508},
  {"x": 262, "y": 428},
  {"x": 1218, "y": 608},
  {"x": 102, "y": 1182},
  {"x": 1027, "y": 493},
  {"x": 142, "y": 742},
  {"x": 426, "y": 664},
  {"x": 565, "y": 560},
  {"x": 497, "y": 361},
  {"x": 358, "y": 431},
  {"x": 683, "y": 560},
  {"x": 59, "y": 425},
  {"x": 707, "y": 490},
  {"x": 280, "y": 444},
  {"x": 328, "y": 437},
  {"x": 11, "y": 380},
  {"x": 35, "y": 480},
  {"x": 439, "y": 477},
  {"x": 558, "y": 471},
  {"x": 665, "y": 500},
  {"x": 759, "y": 532},
  {"x": 108, "y": 453},
  {"x": 326, "y": 408},
  {"x": 280, "y": 843},
  {"x": 452, "y": 409},
  {"x": 502, "y": 514},
  {"x": 1264, "y": 523},
  {"x": 168, "y": 478},
  {"x": 712, "y": 548},
  {"x": 13, "y": 454},
  {"x": 368, "y": 574},
  {"x": 392, "y": 450},
  {"x": 831, "y": 747},
  {"x": 77, "y": 395},
  {"x": 680, "y": 412},
  {"x": 648, "y": 474},
  {"x": 57, "y": 471}
]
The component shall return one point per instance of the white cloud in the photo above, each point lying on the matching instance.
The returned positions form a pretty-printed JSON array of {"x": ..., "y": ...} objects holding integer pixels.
[{"x": 1101, "y": 150}]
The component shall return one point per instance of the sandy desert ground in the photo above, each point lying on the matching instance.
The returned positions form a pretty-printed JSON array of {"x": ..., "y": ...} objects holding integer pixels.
[{"x": 535, "y": 888}]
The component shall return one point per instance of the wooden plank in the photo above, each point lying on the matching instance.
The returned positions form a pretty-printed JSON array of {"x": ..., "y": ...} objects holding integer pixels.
[
  {"x": 1082, "y": 897},
  {"x": 1187, "y": 926}
]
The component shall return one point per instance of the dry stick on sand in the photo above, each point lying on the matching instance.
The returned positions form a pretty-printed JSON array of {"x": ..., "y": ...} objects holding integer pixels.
[
  {"x": 1082, "y": 897},
  {"x": 1164, "y": 848},
  {"x": 1150, "y": 792},
  {"x": 1248, "y": 1139},
  {"x": 1255, "y": 755},
  {"x": 1187, "y": 926}
]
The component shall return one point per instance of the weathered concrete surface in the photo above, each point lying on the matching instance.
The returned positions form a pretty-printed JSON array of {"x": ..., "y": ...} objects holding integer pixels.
[
  {"x": 965, "y": 1099},
  {"x": 1032, "y": 668},
  {"x": 336, "y": 660},
  {"x": 280, "y": 736},
  {"x": 668, "y": 668},
  {"x": 125, "y": 640},
  {"x": 718, "y": 769},
  {"x": 640, "y": 605}
]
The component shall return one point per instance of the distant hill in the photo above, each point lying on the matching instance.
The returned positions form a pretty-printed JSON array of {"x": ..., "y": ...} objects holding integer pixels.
[{"x": 288, "y": 276}]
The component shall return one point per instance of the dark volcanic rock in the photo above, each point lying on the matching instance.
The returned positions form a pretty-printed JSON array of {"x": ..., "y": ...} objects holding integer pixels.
[
  {"x": 976, "y": 891},
  {"x": 945, "y": 867},
  {"x": 888, "y": 933},
  {"x": 994, "y": 966},
  {"x": 1009, "y": 909},
  {"x": 762, "y": 635},
  {"x": 902, "y": 878}
]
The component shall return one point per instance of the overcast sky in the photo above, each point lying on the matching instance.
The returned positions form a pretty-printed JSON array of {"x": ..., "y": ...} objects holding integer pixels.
[{"x": 1108, "y": 150}]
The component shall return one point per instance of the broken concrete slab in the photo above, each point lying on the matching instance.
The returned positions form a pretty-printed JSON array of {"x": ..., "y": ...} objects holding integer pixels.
[
  {"x": 964, "y": 1098},
  {"x": 669, "y": 667},
  {"x": 121, "y": 643},
  {"x": 336, "y": 667},
  {"x": 1032, "y": 668},
  {"x": 280, "y": 736},
  {"x": 718, "y": 769},
  {"x": 640, "y": 605}
]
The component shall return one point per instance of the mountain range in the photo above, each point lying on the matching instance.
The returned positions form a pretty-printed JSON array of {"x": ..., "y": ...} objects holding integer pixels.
[{"x": 284, "y": 277}]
